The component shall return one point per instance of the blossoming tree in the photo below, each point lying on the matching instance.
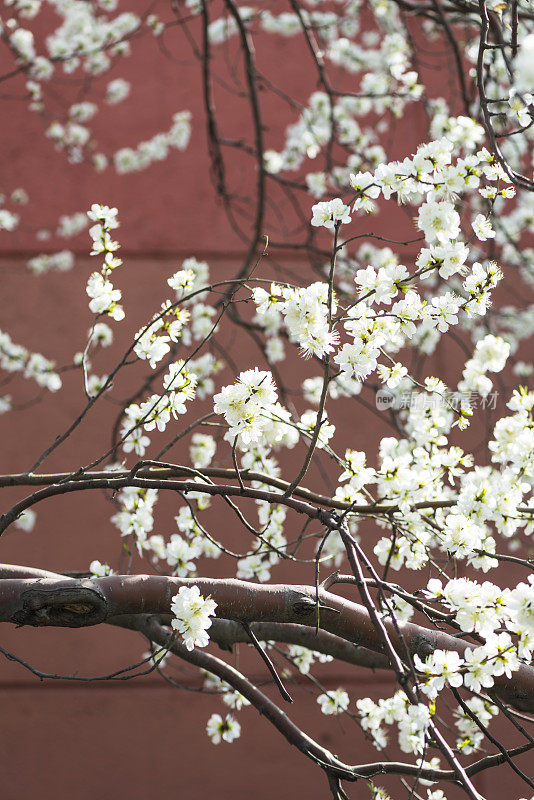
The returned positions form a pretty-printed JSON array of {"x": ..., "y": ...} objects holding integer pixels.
[{"x": 422, "y": 529}]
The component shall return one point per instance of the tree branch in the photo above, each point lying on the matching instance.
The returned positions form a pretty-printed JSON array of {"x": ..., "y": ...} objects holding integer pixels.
[{"x": 81, "y": 602}]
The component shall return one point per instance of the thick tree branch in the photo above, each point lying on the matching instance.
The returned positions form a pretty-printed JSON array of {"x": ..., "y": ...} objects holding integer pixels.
[
  {"x": 227, "y": 632},
  {"x": 81, "y": 602}
]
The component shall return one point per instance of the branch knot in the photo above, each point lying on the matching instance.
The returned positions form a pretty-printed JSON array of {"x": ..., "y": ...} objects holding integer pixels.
[{"x": 74, "y": 606}]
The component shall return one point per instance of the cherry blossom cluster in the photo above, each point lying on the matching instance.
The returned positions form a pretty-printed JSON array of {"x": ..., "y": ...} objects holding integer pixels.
[
  {"x": 192, "y": 614},
  {"x": 8, "y": 220},
  {"x": 104, "y": 297},
  {"x": 136, "y": 515},
  {"x": 16, "y": 358},
  {"x": 225, "y": 729},
  {"x": 486, "y": 609},
  {"x": 385, "y": 73},
  {"x": 62, "y": 261},
  {"x": 412, "y": 721},
  {"x": 272, "y": 544},
  {"x": 193, "y": 541},
  {"x": 304, "y": 312},
  {"x": 81, "y": 39},
  {"x": 247, "y": 405},
  {"x": 428, "y": 179},
  {"x": 129, "y": 159},
  {"x": 304, "y": 658},
  {"x": 71, "y": 224},
  {"x": 86, "y": 41},
  {"x": 179, "y": 387},
  {"x": 336, "y": 701},
  {"x": 230, "y": 697}
]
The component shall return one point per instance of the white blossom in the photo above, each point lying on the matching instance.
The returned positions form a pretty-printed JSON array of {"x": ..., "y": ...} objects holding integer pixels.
[
  {"x": 192, "y": 614},
  {"x": 334, "y": 701},
  {"x": 219, "y": 729}
]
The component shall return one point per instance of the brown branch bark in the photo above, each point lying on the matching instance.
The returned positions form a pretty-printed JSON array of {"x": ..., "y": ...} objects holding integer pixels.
[
  {"x": 63, "y": 479},
  {"x": 81, "y": 602}
]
